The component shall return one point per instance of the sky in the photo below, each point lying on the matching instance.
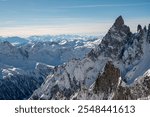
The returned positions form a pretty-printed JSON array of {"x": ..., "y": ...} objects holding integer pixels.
[{"x": 86, "y": 17}]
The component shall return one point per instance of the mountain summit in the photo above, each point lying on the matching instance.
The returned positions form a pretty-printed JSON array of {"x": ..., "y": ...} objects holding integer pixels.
[{"x": 119, "y": 22}]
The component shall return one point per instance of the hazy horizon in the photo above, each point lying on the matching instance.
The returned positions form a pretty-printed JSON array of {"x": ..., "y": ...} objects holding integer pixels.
[{"x": 53, "y": 17}]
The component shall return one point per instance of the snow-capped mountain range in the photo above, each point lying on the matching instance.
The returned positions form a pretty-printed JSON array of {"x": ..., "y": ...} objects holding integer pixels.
[
  {"x": 49, "y": 52},
  {"x": 118, "y": 68},
  {"x": 114, "y": 67},
  {"x": 33, "y": 60}
]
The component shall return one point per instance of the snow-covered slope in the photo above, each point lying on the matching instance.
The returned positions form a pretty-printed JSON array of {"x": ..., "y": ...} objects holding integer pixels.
[{"x": 129, "y": 53}]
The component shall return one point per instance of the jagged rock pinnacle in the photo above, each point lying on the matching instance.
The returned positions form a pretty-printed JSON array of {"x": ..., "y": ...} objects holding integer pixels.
[
  {"x": 119, "y": 22},
  {"x": 139, "y": 28},
  {"x": 145, "y": 29}
]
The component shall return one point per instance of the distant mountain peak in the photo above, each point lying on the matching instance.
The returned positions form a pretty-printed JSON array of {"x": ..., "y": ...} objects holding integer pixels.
[
  {"x": 6, "y": 43},
  {"x": 119, "y": 22}
]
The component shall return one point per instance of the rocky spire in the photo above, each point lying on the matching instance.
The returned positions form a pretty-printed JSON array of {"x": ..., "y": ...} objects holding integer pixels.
[
  {"x": 119, "y": 22},
  {"x": 116, "y": 37},
  {"x": 145, "y": 29},
  {"x": 139, "y": 28},
  {"x": 120, "y": 26}
]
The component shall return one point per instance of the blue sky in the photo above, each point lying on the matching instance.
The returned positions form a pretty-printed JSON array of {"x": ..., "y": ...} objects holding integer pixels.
[{"x": 39, "y": 17}]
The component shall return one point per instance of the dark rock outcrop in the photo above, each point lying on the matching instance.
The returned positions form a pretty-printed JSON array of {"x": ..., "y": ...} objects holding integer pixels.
[
  {"x": 139, "y": 29},
  {"x": 108, "y": 81}
]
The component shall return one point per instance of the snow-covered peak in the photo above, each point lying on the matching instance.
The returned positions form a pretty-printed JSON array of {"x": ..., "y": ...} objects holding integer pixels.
[{"x": 129, "y": 53}]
